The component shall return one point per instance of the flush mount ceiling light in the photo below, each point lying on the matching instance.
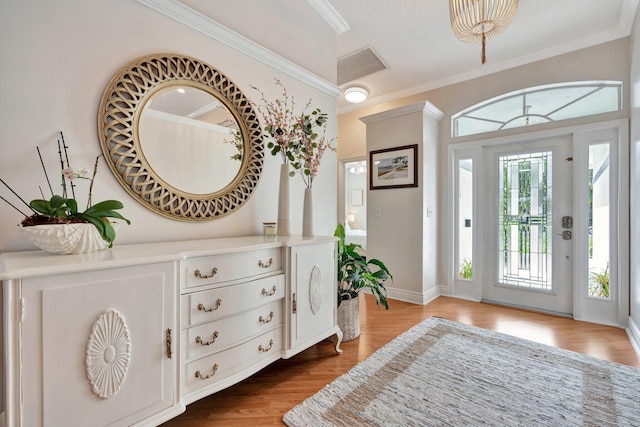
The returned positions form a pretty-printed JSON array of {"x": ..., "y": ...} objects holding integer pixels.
[
  {"x": 355, "y": 94},
  {"x": 476, "y": 21}
]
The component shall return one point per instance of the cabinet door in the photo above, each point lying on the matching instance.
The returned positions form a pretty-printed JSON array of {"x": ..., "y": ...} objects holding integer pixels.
[
  {"x": 94, "y": 346},
  {"x": 313, "y": 298}
]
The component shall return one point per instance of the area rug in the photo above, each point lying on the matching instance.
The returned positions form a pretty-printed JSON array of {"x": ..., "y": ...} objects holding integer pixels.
[{"x": 442, "y": 373}]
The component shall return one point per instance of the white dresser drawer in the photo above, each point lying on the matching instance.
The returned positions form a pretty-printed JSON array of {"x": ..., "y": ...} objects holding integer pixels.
[
  {"x": 223, "y": 268},
  {"x": 205, "y": 306},
  {"x": 198, "y": 341},
  {"x": 212, "y": 369}
]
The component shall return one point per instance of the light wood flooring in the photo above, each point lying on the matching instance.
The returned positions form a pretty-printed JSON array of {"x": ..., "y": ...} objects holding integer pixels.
[{"x": 262, "y": 399}]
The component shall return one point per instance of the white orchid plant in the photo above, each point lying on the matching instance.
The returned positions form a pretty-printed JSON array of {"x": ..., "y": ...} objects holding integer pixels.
[{"x": 61, "y": 209}]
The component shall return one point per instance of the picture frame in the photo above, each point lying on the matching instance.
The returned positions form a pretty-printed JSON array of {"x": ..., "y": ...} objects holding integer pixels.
[{"x": 393, "y": 167}]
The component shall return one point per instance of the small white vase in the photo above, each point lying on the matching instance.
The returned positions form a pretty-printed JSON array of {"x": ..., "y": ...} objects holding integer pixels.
[
  {"x": 284, "y": 214},
  {"x": 307, "y": 213}
]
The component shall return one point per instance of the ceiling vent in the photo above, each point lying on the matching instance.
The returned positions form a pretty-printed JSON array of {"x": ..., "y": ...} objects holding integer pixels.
[{"x": 358, "y": 64}]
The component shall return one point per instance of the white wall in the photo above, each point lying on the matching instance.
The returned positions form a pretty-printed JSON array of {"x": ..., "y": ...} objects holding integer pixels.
[
  {"x": 401, "y": 222},
  {"x": 634, "y": 198},
  {"x": 58, "y": 57}
]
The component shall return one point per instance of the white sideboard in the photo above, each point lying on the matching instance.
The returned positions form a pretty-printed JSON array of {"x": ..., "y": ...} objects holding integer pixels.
[{"x": 130, "y": 335}]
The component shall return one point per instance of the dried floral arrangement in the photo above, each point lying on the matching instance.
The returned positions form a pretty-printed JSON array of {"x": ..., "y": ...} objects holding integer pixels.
[
  {"x": 62, "y": 209},
  {"x": 301, "y": 139}
]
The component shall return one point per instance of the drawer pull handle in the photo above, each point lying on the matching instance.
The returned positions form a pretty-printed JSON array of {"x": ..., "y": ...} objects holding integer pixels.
[
  {"x": 199, "y": 340},
  {"x": 201, "y": 306},
  {"x": 168, "y": 341},
  {"x": 269, "y": 294},
  {"x": 265, "y": 265},
  {"x": 263, "y": 320},
  {"x": 199, "y": 275},
  {"x": 263, "y": 349},
  {"x": 214, "y": 369}
]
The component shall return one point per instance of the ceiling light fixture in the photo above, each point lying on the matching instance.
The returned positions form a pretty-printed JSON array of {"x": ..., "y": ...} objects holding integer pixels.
[
  {"x": 355, "y": 94},
  {"x": 475, "y": 21}
]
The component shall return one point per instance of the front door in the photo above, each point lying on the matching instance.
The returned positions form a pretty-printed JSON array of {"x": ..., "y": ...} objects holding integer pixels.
[{"x": 528, "y": 214}]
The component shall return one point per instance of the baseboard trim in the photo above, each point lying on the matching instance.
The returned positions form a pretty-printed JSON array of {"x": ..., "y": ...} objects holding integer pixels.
[
  {"x": 633, "y": 332},
  {"x": 445, "y": 290},
  {"x": 413, "y": 297}
]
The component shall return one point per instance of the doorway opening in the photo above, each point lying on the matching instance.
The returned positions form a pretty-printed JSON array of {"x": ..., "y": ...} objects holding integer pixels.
[{"x": 355, "y": 201}]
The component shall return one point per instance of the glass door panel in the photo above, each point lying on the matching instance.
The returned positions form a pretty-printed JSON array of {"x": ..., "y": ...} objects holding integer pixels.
[
  {"x": 465, "y": 215},
  {"x": 524, "y": 220},
  {"x": 599, "y": 229}
]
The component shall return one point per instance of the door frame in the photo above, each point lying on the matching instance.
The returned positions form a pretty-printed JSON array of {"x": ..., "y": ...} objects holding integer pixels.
[{"x": 581, "y": 135}]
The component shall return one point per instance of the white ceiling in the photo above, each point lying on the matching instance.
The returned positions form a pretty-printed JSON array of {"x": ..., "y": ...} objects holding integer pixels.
[{"x": 415, "y": 41}]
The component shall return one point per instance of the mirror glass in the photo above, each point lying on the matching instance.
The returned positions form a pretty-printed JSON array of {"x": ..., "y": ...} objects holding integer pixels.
[{"x": 202, "y": 133}]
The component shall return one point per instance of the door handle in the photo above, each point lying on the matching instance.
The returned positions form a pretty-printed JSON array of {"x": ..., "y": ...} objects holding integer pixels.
[{"x": 566, "y": 235}]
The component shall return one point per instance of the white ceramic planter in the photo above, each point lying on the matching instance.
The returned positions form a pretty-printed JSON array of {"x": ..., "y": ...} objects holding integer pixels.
[{"x": 66, "y": 238}]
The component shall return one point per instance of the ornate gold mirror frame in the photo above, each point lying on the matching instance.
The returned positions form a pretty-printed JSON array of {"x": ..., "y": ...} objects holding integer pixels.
[{"x": 118, "y": 126}]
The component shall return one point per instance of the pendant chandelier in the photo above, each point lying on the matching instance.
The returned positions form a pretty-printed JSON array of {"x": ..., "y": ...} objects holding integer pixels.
[{"x": 476, "y": 21}]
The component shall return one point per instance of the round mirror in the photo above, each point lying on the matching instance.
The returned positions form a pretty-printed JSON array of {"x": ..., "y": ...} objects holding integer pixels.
[
  {"x": 180, "y": 137},
  {"x": 197, "y": 125}
]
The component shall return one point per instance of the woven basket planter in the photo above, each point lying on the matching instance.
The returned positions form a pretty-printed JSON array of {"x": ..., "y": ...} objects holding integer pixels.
[{"x": 349, "y": 318}]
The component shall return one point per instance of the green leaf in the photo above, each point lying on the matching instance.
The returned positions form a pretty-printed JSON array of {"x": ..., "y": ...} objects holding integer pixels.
[
  {"x": 108, "y": 214},
  {"x": 41, "y": 206},
  {"x": 105, "y": 228},
  {"x": 97, "y": 222},
  {"x": 73, "y": 206},
  {"x": 57, "y": 201},
  {"x": 107, "y": 205}
]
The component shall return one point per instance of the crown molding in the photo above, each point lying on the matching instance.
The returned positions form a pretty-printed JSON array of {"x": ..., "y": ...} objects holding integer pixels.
[
  {"x": 425, "y": 107},
  {"x": 433, "y": 111},
  {"x": 331, "y": 15},
  {"x": 177, "y": 11}
]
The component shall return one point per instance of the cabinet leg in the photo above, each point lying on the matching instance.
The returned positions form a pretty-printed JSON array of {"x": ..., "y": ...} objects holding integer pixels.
[{"x": 337, "y": 340}]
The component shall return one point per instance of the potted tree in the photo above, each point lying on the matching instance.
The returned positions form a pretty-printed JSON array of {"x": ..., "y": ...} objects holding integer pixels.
[{"x": 356, "y": 274}]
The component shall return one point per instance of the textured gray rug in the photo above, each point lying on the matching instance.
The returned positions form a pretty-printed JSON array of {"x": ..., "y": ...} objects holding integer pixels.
[{"x": 442, "y": 373}]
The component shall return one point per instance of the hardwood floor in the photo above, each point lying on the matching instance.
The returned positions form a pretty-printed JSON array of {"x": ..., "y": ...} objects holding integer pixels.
[{"x": 262, "y": 399}]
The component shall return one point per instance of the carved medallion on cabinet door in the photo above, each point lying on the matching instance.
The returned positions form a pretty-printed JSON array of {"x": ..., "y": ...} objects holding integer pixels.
[
  {"x": 315, "y": 289},
  {"x": 108, "y": 354}
]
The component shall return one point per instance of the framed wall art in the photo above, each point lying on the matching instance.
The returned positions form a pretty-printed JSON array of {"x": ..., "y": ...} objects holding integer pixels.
[{"x": 393, "y": 167}]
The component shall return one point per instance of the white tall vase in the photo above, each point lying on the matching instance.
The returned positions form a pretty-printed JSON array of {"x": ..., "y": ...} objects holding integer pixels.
[
  {"x": 307, "y": 213},
  {"x": 284, "y": 214}
]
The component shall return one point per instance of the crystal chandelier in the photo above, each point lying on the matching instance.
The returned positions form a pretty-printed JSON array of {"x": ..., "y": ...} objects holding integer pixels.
[{"x": 475, "y": 21}]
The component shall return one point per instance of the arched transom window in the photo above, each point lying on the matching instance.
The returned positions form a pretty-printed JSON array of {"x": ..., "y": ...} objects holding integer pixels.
[{"x": 538, "y": 104}]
